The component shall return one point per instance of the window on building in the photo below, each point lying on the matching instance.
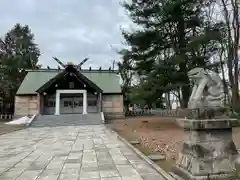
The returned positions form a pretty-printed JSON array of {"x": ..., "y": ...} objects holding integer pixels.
[
  {"x": 80, "y": 103},
  {"x": 70, "y": 103},
  {"x": 65, "y": 103},
  {"x": 75, "y": 103}
]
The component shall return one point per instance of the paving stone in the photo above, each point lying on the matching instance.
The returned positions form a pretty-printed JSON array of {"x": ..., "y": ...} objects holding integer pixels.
[
  {"x": 48, "y": 177},
  {"x": 135, "y": 177},
  {"x": 36, "y": 166},
  {"x": 89, "y": 175},
  {"x": 2, "y": 170},
  {"x": 73, "y": 161},
  {"x": 109, "y": 173},
  {"x": 89, "y": 169},
  {"x": 122, "y": 162},
  {"x": 69, "y": 176},
  {"x": 70, "y": 152},
  {"x": 47, "y": 172},
  {"x": 152, "y": 177},
  {"x": 132, "y": 157},
  {"x": 90, "y": 164},
  {"x": 12, "y": 173},
  {"x": 150, "y": 171},
  {"x": 107, "y": 167},
  {"x": 105, "y": 163},
  {"x": 29, "y": 175},
  {"x": 112, "y": 178},
  {"x": 61, "y": 154},
  {"x": 72, "y": 171},
  {"x": 22, "y": 164}
]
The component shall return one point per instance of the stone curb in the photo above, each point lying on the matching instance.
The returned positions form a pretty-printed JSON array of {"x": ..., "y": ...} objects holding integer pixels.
[{"x": 149, "y": 161}]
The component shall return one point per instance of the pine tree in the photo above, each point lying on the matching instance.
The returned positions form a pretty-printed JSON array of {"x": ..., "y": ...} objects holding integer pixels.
[
  {"x": 171, "y": 37},
  {"x": 18, "y": 52}
]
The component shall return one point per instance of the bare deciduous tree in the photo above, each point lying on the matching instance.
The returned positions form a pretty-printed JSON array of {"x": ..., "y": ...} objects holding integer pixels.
[{"x": 230, "y": 11}]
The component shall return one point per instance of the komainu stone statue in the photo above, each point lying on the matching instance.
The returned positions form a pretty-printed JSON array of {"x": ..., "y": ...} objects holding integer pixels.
[
  {"x": 207, "y": 94},
  {"x": 208, "y": 151}
]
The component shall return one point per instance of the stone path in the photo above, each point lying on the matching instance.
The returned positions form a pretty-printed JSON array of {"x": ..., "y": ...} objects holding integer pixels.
[{"x": 70, "y": 153}]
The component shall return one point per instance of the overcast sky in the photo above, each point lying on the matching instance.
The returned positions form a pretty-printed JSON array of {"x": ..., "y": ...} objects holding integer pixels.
[{"x": 70, "y": 29}]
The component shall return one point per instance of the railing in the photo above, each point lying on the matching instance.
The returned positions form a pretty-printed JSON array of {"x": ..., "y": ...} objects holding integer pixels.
[
  {"x": 6, "y": 116},
  {"x": 139, "y": 112},
  {"x": 171, "y": 113},
  {"x": 160, "y": 112}
]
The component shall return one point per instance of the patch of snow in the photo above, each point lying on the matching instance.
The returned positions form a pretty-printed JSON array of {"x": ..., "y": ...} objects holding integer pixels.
[
  {"x": 22, "y": 120},
  {"x": 102, "y": 117}
]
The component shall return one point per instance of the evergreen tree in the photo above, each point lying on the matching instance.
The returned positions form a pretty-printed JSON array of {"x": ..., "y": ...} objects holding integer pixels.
[
  {"x": 18, "y": 52},
  {"x": 171, "y": 37}
]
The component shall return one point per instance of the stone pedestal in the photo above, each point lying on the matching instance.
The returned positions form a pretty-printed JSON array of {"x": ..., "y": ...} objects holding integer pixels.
[{"x": 208, "y": 150}]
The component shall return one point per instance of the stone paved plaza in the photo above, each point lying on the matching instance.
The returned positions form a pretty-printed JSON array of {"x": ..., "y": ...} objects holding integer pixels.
[{"x": 70, "y": 153}]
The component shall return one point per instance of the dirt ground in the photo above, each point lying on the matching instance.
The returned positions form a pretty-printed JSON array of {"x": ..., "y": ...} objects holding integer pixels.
[
  {"x": 157, "y": 135},
  {"x": 5, "y": 128}
]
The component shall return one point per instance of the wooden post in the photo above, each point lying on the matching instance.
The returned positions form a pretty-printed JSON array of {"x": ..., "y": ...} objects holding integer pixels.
[
  {"x": 39, "y": 103},
  {"x": 100, "y": 99}
]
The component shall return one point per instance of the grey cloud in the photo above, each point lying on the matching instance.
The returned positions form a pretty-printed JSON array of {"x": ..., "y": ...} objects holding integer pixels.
[{"x": 70, "y": 30}]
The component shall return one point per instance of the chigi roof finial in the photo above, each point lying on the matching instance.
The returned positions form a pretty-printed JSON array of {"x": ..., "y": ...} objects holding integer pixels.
[{"x": 78, "y": 67}]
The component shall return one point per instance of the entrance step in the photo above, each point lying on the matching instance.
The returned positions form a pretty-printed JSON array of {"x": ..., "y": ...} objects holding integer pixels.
[{"x": 67, "y": 120}]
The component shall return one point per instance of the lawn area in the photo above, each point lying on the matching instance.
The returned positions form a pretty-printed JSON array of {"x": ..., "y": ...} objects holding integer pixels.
[
  {"x": 5, "y": 128},
  {"x": 157, "y": 135}
]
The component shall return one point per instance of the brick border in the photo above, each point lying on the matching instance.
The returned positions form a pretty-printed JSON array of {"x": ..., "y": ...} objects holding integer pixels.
[{"x": 145, "y": 158}]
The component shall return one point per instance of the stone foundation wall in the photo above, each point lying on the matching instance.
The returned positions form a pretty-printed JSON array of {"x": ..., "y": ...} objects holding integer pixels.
[
  {"x": 28, "y": 105},
  {"x": 112, "y": 106},
  {"x": 172, "y": 113},
  {"x": 25, "y": 105}
]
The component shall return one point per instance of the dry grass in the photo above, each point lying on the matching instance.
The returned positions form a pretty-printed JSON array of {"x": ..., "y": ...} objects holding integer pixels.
[{"x": 158, "y": 135}]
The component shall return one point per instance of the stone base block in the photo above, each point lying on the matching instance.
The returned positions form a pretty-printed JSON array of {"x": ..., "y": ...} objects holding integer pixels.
[
  {"x": 193, "y": 124},
  {"x": 113, "y": 116},
  {"x": 181, "y": 174},
  {"x": 208, "y": 151}
]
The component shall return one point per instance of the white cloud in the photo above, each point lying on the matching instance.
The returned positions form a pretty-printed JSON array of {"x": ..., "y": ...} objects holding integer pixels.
[{"x": 70, "y": 30}]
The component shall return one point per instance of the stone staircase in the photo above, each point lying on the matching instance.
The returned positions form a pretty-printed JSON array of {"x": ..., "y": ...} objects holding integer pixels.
[{"x": 67, "y": 120}]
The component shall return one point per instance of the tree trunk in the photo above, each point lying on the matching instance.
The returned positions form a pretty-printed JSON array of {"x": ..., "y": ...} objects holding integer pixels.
[
  {"x": 236, "y": 27},
  {"x": 232, "y": 24},
  {"x": 183, "y": 66},
  {"x": 168, "y": 100},
  {"x": 226, "y": 91},
  {"x": 185, "y": 96}
]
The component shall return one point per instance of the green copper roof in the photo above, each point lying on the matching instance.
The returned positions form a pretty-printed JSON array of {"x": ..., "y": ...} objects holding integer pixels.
[{"x": 107, "y": 81}]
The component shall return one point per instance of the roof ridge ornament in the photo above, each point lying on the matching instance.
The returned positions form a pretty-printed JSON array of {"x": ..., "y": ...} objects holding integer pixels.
[
  {"x": 78, "y": 67},
  {"x": 59, "y": 62}
]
